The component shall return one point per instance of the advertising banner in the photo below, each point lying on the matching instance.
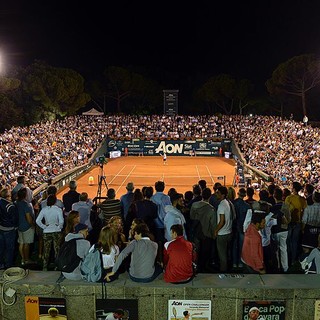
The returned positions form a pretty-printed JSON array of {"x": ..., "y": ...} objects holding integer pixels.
[
  {"x": 45, "y": 308},
  {"x": 109, "y": 309},
  {"x": 189, "y": 309},
  {"x": 264, "y": 310},
  {"x": 197, "y": 147}
]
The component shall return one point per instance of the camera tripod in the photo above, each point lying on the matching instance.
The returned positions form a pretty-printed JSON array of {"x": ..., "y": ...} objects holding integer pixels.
[{"x": 101, "y": 180}]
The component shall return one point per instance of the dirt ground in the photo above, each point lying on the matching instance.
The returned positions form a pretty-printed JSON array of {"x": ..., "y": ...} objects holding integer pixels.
[{"x": 179, "y": 172}]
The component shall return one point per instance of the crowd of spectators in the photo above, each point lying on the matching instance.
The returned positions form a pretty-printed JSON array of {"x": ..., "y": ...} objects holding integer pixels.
[
  {"x": 284, "y": 149},
  {"x": 165, "y": 231}
]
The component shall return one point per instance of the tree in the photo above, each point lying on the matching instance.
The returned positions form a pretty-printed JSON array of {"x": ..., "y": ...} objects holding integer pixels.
[
  {"x": 130, "y": 90},
  {"x": 8, "y": 84},
  {"x": 295, "y": 77},
  {"x": 11, "y": 115},
  {"x": 224, "y": 90},
  {"x": 53, "y": 91},
  {"x": 120, "y": 84}
]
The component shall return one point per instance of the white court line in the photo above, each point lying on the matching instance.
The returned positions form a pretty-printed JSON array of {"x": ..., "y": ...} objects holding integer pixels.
[
  {"x": 161, "y": 178},
  {"x": 117, "y": 175},
  {"x": 127, "y": 176},
  {"x": 198, "y": 173},
  {"x": 212, "y": 180}
]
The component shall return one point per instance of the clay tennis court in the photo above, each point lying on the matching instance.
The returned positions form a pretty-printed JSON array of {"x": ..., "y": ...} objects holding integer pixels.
[{"x": 179, "y": 172}]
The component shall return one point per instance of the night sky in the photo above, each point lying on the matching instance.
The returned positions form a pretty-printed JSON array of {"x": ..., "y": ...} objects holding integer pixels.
[{"x": 243, "y": 38}]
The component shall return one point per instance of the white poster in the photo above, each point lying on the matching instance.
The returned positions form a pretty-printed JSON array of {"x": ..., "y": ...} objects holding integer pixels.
[
  {"x": 189, "y": 310},
  {"x": 317, "y": 310}
]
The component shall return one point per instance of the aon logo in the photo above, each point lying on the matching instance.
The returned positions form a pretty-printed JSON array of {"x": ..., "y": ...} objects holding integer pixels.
[{"x": 169, "y": 148}]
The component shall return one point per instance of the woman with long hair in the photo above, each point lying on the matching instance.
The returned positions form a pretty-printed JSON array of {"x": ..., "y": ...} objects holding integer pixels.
[{"x": 72, "y": 220}]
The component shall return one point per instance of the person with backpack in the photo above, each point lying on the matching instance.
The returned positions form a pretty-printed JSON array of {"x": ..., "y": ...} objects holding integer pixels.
[
  {"x": 75, "y": 253},
  {"x": 102, "y": 256}
]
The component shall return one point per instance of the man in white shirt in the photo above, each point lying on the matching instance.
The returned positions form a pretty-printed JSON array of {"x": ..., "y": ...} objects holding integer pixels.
[{"x": 223, "y": 231}]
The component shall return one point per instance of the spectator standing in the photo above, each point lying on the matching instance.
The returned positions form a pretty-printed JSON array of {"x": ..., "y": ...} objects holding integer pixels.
[
  {"x": 110, "y": 207},
  {"x": 21, "y": 183},
  {"x": 51, "y": 190},
  {"x": 126, "y": 200},
  {"x": 308, "y": 192},
  {"x": 223, "y": 231},
  {"x": 161, "y": 200},
  {"x": 145, "y": 210},
  {"x": 8, "y": 229},
  {"x": 250, "y": 193},
  {"x": 204, "y": 220},
  {"x": 202, "y": 183},
  {"x": 214, "y": 201},
  {"x": 311, "y": 223},
  {"x": 26, "y": 228},
  {"x": 178, "y": 257},
  {"x": 70, "y": 197},
  {"x": 174, "y": 215},
  {"x": 84, "y": 206},
  {"x": 281, "y": 213},
  {"x": 241, "y": 208},
  {"x": 296, "y": 206},
  {"x": 52, "y": 226}
]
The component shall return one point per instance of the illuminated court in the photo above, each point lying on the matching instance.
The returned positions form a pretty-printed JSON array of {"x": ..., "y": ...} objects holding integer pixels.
[{"x": 179, "y": 172}]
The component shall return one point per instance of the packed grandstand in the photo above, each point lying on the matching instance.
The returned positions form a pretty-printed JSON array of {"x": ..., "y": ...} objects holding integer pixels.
[{"x": 284, "y": 149}]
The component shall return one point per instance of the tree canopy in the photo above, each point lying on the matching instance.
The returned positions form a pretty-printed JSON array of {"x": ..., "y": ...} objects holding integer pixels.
[{"x": 295, "y": 77}]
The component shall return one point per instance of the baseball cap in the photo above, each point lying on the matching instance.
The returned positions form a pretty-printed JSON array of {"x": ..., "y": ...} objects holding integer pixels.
[
  {"x": 79, "y": 227},
  {"x": 253, "y": 309}
]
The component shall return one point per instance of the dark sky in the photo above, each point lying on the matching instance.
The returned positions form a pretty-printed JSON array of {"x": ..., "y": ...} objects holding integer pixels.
[{"x": 247, "y": 39}]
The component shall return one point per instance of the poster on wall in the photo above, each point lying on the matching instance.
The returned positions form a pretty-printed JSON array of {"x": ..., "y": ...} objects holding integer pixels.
[
  {"x": 189, "y": 309},
  {"x": 110, "y": 309},
  {"x": 264, "y": 310},
  {"x": 45, "y": 308},
  {"x": 317, "y": 310}
]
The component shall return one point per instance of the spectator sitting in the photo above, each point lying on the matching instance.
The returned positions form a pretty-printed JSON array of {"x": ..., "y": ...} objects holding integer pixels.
[
  {"x": 107, "y": 243},
  {"x": 178, "y": 257},
  {"x": 143, "y": 254},
  {"x": 252, "y": 253},
  {"x": 83, "y": 246}
]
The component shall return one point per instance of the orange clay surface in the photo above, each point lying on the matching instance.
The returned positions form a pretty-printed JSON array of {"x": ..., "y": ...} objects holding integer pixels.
[{"x": 179, "y": 173}]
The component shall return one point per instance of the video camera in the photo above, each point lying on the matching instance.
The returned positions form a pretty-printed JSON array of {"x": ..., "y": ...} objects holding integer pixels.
[{"x": 101, "y": 160}]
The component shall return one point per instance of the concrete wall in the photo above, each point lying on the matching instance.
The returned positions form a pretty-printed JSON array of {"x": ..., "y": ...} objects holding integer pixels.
[{"x": 227, "y": 294}]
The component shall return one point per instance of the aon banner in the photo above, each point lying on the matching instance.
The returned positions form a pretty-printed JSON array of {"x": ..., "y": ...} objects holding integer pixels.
[{"x": 197, "y": 147}]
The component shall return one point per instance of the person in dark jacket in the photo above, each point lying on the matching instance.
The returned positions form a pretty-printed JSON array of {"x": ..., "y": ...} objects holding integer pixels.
[
  {"x": 8, "y": 229},
  {"x": 71, "y": 197}
]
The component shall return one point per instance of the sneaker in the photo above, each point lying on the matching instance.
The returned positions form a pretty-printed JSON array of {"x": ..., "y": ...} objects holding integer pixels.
[
  {"x": 240, "y": 265},
  {"x": 22, "y": 262},
  {"x": 234, "y": 265},
  {"x": 44, "y": 269}
]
